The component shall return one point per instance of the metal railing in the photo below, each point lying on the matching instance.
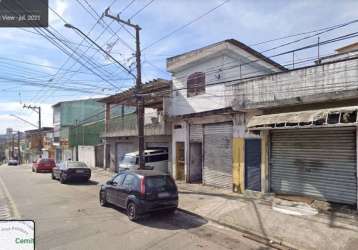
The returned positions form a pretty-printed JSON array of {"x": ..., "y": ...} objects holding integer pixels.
[{"x": 127, "y": 126}]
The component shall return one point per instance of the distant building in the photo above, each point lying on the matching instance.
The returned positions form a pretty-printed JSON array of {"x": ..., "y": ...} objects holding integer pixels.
[
  {"x": 35, "y": 146},
  {"x": 342, "y": 53},
  {"x": 70, "y": 113},
  {"x": 78, "y": 122}
]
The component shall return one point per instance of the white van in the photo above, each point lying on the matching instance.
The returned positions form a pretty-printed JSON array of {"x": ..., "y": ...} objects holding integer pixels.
[{"x": 155, "y": 159}]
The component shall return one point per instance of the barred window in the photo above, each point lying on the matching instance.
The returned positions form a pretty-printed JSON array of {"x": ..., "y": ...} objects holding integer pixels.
[{"x": 196, "y": 84}]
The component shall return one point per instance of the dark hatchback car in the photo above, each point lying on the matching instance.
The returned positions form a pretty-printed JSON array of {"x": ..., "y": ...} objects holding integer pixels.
[
  {"x": 140, "y": 192},
  {"x": 71, "y": 171}
]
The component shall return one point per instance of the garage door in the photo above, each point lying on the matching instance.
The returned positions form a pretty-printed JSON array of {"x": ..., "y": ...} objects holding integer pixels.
[
  {"x": 315, "y": 162},
  {"x": 218, "y": 155}
]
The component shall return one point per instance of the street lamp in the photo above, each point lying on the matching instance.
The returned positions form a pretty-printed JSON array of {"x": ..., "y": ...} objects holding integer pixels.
[{"x": 138, "y": 78}]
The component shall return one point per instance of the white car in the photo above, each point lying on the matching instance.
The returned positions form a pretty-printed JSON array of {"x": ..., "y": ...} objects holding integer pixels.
[{"x": 155, "y": 159}]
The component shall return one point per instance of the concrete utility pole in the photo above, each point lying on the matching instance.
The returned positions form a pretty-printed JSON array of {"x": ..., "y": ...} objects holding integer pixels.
[
  {"x": 18, "y": 147},
  {"x": 76, "y": 138},
  {"x": 37, "y": 109},
  {"x": 12, "y": 146},
  {"x": 140, "y": 100}
]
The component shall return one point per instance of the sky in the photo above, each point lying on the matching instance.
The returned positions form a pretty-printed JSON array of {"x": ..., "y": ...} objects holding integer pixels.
[{"x": 44, "y": 66}]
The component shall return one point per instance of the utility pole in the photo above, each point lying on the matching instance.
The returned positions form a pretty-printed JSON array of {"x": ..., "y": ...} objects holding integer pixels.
[
  {"x": 37, "y": 109},
  {"x": 12, "y": 146},
  {"x": 77, "y": 140},
  {"x": 18, "y": 147},
  {"x": 139, "y": 97}
]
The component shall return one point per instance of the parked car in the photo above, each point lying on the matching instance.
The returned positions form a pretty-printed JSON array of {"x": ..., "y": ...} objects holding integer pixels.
[
  {"x": 43, "y": 165},
  {"x": 12, "y": 163},
  {"x": 155, "y": 159},
  {"x": 140, "y": 192},
  {"x": 71, "y": 171}
]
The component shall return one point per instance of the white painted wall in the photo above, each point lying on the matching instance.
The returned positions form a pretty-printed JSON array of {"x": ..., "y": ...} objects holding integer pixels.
[
  {"x": 86, "y": 154},
  {"x": 219, "y": 68}
]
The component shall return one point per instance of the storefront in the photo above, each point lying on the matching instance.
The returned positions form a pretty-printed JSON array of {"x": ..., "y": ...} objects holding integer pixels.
[{"x": 312, "y": 153}]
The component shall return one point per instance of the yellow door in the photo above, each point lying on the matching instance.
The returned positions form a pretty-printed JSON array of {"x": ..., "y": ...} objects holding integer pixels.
[{"x": 180, "y": 161}]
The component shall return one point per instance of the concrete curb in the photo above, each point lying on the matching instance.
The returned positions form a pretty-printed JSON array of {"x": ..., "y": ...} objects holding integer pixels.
[{"x": 247, "y": 233}]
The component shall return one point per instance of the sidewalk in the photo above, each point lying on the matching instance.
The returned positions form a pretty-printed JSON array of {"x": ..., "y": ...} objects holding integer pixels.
[{"x": 253, "y": 214}]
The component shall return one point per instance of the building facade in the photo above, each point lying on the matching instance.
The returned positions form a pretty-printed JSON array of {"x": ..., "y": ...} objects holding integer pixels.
[
  {"x": 36, "y": 144},
  {"x": 121, "y": 133},
  {"x": 67, "y": 115},
  {"x": 263, "y": 128},
  {"x": 207, "y": 135}
]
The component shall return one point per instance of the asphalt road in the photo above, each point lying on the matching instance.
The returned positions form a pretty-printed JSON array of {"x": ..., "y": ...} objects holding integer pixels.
[{"x": 69, "y": 217}]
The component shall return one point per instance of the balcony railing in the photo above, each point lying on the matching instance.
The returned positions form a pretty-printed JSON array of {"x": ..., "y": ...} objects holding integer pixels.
[{"x": 127, "y": 126}]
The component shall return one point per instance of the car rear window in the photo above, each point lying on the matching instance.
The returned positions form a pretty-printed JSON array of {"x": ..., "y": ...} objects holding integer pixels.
[
  {"x": 77, "y": 165},
  {"x": 46, "y": 161},
  {"x": 159, "y": 183}
]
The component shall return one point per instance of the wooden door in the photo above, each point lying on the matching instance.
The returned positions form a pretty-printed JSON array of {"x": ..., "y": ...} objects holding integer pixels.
[{"x": 180, "y": 161}]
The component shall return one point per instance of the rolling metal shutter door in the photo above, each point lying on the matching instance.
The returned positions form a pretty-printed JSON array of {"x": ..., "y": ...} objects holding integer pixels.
[
  {"x": 315, "y": 162},
  {"x": 218, "y": 155},
  {"x": 196, "y": 132}
]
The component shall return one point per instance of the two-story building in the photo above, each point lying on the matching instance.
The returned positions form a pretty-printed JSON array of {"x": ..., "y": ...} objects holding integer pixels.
[
  {"x": 207, "y": 134},
  {"x": 35, "y": 141},
  {"x": 68, "y": 114},
  {"x": 121, "y": 133}
]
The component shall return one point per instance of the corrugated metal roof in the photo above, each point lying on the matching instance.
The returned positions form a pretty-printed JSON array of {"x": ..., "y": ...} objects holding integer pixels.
[{"x": 309, "y": 116}]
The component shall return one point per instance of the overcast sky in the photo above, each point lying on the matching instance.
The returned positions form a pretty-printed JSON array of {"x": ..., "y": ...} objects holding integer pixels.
[{"x": 27, "y": 57}]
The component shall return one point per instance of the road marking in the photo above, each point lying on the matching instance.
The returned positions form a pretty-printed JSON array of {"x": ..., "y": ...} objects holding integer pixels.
[{"x": 13, "y": 209}]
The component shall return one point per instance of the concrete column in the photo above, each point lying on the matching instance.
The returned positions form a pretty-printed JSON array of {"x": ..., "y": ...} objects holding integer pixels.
[
  {"x": 238, "y": 152},
  {"x": 265, "y": 151},
  {"x": 106, "y": 154}
]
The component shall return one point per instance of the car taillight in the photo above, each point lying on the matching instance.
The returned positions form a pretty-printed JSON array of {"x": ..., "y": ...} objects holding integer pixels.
[{"x": 142, "y": 186}]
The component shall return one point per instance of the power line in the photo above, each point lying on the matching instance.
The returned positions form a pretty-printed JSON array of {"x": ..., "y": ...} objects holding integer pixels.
[
  {"x": 294, "y": 35},
  {"x": 185, "y": 25},
  {"x": 307, "y": 37},
  {"x": 141, "y": 9},
  {"x": 70, "y": 57}
]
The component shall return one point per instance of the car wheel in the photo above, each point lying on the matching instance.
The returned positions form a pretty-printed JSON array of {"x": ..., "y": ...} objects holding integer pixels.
[
  {"x": 132, "y": 211},
  {"x": 103, "y": 199},
  {"x": 62, "y": 179}
]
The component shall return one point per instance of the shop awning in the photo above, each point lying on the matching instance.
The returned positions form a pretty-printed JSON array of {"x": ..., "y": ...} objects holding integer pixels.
[{"x": 320, "y": 117}]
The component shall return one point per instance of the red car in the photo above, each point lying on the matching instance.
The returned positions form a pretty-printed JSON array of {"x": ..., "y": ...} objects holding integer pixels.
[{"x": 43, "y": 165}]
